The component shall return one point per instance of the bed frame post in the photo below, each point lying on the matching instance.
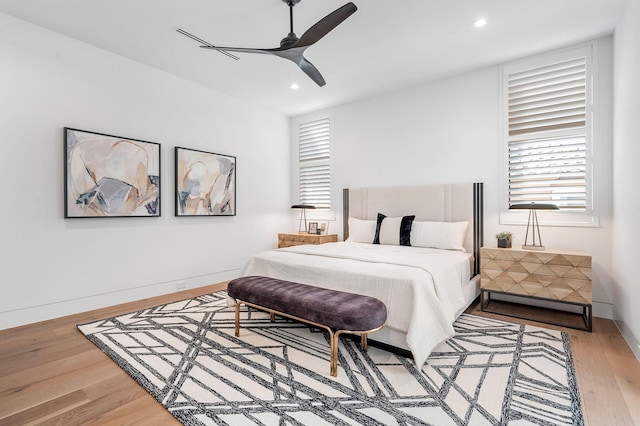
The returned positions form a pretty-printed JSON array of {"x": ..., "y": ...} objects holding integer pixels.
[
  {"x": 345, "y": 214},
  {"x": 478, "y": 224}
]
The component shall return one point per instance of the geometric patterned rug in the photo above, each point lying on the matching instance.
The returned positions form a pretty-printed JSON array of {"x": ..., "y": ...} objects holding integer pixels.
[{"x": 185, "y": 354}]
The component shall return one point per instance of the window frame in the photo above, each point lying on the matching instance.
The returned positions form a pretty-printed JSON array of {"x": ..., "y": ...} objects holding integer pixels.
[
  {"x": 319, "y": 213},
  {"x": 585, "y": 218}
]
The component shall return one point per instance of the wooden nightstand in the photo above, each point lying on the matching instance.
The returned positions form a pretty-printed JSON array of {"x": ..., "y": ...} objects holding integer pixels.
[
  {"x": 559, "y": 276},
  {"x": 288, "y": 240}
]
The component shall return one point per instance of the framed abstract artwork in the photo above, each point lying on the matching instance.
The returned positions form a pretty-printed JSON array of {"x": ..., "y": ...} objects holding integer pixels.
[
  {"x": 110, "y": 176},
  {"x": 205, "y": 183}
]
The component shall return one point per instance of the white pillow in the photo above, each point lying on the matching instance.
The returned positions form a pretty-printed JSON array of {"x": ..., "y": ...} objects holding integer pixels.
[
  {"x": 441, "y": 235},
  {"x": 390, "y": 231},
  {"x": 361, "y": 231}
]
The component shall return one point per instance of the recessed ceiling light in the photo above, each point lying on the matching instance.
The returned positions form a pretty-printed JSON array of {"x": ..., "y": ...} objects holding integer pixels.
[
  {"x": 480, "y": 22},
  {"x": 294, "y": 86}
]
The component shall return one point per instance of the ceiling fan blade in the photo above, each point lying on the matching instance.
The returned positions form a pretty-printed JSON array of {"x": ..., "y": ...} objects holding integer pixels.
[
  {"x": 240, "y": 49},
  {"x": 326, "y": 24},
  {"x": 199, "y": 40},
  {"x": 310, "y": 70},
  {"x": 293, "y": 54}
]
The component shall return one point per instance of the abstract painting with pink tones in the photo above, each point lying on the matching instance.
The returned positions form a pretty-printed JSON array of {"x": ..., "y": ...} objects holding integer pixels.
[
  {"x": 205, "y": 183},
  {"x": 110, "y": 176}
]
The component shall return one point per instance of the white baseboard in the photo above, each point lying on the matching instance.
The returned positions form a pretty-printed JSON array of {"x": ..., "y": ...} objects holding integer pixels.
[
  {"x": 602, "y": 310},
  {"x": 31, "y": 314},
  {"x": 632, "y": 340}
]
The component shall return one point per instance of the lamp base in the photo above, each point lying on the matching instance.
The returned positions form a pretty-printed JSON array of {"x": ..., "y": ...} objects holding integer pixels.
[{"x": 526, "y": 247}]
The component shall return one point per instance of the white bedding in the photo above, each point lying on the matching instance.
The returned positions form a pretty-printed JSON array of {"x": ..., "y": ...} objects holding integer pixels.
[{"x": 421, "y": 287}]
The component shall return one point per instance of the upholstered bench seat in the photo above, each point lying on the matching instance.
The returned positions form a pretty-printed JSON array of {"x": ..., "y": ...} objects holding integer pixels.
[{"x": 336, "y": 311}]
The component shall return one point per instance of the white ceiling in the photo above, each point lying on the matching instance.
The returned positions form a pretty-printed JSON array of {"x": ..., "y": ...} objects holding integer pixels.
[{"x": 384, "y": 46}]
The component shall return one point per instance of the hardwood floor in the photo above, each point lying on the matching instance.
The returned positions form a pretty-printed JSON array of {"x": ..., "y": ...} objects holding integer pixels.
[{"x": 51, "y": 374}]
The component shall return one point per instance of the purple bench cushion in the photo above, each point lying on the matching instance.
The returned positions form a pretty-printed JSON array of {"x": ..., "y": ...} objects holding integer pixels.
[{"x": 337, "y": 310}]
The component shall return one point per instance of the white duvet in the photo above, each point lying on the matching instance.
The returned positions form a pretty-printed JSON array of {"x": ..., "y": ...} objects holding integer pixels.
[{"x": 421, "y": 287}]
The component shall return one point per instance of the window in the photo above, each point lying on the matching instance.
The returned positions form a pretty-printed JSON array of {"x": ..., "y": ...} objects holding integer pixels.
[
  {"x": 547, "y": 116},
  {"x": 314, "y": 162}
]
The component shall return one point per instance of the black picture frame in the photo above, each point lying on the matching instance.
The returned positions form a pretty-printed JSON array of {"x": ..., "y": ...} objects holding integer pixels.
[
  {"x": 110, "y": 176},
  {"x": 205, "y": 183}
]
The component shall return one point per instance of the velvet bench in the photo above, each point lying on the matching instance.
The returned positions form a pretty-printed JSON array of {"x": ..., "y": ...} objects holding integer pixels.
[{"x": 335, "y": 311}]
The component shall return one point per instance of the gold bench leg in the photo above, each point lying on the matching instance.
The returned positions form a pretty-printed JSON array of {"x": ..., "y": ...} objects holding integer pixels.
[
  {"x": 334, "y": 337},
  {"x": 237, "y": 318},
  {"x": 334, "y": 341}
]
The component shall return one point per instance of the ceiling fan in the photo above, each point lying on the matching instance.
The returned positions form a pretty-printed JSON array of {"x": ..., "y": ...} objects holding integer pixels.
[{"x": 292, "y": 47}]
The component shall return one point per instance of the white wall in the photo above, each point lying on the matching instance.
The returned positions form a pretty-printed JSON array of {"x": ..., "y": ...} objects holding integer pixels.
[
  {"x": 449, "y": 131},
  {"x": 53, "y": 266},
  {"x": 626, "y": 176}
]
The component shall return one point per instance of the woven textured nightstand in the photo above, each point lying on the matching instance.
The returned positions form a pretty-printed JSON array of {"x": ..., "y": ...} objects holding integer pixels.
[
  {"x": 288, "y": 240},
  {"x": 559, "y": 276}
]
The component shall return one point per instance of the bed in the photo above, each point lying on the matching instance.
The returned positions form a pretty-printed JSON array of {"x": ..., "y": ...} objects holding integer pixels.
[{"x": 423, "y": 267}]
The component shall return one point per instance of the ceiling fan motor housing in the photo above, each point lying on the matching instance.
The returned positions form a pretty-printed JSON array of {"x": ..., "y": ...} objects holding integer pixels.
[{"x": 289, "y": 40}]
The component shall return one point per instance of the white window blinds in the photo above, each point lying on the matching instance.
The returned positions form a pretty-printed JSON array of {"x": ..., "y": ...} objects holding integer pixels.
[
  {"x": 548, "y": 171},
  {"x": 547, "y": 126},
  {"x": 314, "y": 140},
  {"x": 548, "y": 98}
]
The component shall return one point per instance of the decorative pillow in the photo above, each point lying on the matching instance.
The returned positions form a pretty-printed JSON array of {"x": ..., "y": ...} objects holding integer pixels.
[
  {"x": 393, "y": 230},
  {"x": 361, "y": 231},
  {"x": 441, "y": 235}
]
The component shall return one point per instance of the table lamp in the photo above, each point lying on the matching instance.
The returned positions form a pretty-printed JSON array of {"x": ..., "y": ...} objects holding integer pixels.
[
  {"x": 533, "y": 222},
  {"x": 303, "y": 213}
]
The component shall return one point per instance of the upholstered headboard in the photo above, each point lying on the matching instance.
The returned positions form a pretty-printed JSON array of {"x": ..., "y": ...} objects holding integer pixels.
[{"x": 437, "y": 202}]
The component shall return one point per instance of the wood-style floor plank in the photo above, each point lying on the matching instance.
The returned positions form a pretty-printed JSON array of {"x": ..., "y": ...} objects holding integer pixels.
[
  {"x": 626, "y": 373},
  {"x": 590, "y": 358},
  {"x": 30, "y": 395},
  {"x": 136, "y": 412},
  {"x": 51, "y": 374}
]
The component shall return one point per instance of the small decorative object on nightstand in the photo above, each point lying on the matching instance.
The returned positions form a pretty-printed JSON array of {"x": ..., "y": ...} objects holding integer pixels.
[
  {"x": 288, "y": 240},
  {"x": 558, "y": 276},
  {"x": 313, "y": 228},
  {"x": 504, "y": 239}
]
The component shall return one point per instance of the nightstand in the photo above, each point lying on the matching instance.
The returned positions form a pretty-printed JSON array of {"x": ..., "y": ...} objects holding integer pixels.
[
  {"x": 297, "y": 239},
  {"x": 559, "y": 276}
]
